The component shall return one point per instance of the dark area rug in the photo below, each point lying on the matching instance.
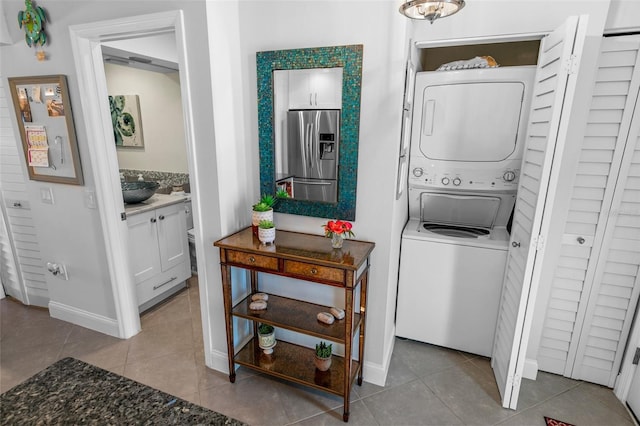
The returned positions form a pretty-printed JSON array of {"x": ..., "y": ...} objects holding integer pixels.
[
  {"x": 71, "y": 392},
  {"x": 553, "y": 422}
]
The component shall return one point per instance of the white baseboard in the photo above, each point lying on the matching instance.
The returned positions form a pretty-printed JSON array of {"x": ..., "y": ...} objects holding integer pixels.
[
  {"x": 84, "y": 319},
  {"x": 38, "y": 297},
  {"x": 377, "y": 373},
  {"x": 530, "y": 369},
  {"x": 218, "y": 361}
]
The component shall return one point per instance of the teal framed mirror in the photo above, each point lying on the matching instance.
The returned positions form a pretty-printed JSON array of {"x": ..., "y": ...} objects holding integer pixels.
[{"x": 349, "y": 58}]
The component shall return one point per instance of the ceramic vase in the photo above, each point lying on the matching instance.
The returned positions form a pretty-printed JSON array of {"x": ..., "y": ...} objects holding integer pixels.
[
  {"x": 336, "y": 241},
  {"x": 266, "y": 342},
  {"x": 267, "y": 236},
  {"x": 322, "y": 364}
]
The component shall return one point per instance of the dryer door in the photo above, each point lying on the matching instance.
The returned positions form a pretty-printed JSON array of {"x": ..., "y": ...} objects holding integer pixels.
[{"x": 475, "y": 122}]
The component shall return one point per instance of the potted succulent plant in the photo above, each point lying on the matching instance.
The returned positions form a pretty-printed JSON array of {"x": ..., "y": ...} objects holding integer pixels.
[
  {"x": 322, "y": 359},
  {"x": 263, "y": 209},
  {"x": 266, "y": 231},
  {"x": 266, "y": 338}
]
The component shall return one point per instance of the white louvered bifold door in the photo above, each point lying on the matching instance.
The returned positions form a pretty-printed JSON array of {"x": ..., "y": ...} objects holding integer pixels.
[
  {"x": 26, "y": 282},
  {"x": 595, "y": 286},
  {"x": 552, "y": 96},
  {"x": 612, "y": 276}
]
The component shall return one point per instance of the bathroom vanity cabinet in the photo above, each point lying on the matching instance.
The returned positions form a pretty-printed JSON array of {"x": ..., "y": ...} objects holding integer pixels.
[
  {"x": 309, "y": 258},
  {"x": 159, "y": 252}
]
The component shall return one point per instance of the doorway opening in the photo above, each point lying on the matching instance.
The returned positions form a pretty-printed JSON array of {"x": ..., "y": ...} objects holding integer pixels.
[
  {"x": 87, "y": 41},
  {"x": 143, "y": 82}
]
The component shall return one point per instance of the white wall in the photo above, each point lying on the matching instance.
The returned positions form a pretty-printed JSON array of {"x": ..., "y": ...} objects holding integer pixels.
[
  {"x": 71, "y": 233},
  {"x": 160, "y": 46},
  {"x": 161, "y": 117},
  {"x": 623, "y": 16},
  {"x": 381, "y": 29}
]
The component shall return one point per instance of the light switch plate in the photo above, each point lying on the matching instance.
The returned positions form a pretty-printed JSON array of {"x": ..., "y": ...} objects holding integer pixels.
[
  {"x": 46, "y": 195},
  {"x": 90, "y": 199}
]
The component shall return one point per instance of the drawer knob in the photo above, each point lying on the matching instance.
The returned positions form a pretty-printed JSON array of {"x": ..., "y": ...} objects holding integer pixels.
[
  {"x": 252, "y": 259},
  {"x": 161, "y": 217},
  {"x": 314, "y": 271},
  {"x": 152, "y": 220}
]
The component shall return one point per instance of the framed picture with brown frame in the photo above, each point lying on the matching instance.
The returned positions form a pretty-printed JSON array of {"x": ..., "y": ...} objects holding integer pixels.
[{"x": 45, "y": 120}]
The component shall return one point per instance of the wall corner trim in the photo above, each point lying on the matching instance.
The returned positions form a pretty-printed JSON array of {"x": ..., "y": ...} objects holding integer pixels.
[
  {"x": 530, "y": 369},
  {"x": 377, "y": 373},
  {"x": 218, "y": 360}
]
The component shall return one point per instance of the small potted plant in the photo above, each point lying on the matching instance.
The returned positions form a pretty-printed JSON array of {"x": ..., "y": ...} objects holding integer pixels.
[
  {"x": 266, "y": 231},
  {"x": 338, "y": 230},
  {"x": 266, "y": 338},
  {"x": 281, "y": 193},
  {"x": 262, "y": 210},
  {"x": 322, "y": 359}
]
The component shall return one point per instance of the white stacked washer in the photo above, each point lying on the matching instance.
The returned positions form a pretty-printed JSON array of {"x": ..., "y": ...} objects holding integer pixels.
[{"x": 466, "y": 148}]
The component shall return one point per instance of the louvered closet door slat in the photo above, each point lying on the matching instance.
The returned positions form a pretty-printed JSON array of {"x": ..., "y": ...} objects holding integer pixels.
[
  {"x": 600, "y": 158},
  {"x": 544, "y": 133},
  {"x": 18, "y": 235},
  {"x": 598, "y": 360}
]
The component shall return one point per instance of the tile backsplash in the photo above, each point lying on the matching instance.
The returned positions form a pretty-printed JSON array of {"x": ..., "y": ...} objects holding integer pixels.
[{"x": 167, "y": 180}]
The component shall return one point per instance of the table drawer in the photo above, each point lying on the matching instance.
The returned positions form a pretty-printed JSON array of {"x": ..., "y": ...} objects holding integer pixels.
[
  {"x": 309, "y": 270},
  {"x": 249, "y": 259}
]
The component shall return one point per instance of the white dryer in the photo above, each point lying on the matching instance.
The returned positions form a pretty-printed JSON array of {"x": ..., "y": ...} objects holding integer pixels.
[{"x": 467, "y": 130}]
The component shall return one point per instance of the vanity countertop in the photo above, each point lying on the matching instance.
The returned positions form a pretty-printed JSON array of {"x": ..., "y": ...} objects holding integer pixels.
[{"x": 156, "y": 201}]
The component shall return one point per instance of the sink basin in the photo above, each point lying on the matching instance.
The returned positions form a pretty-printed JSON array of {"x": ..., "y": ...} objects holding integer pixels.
[{"x": 137, "y": 192}]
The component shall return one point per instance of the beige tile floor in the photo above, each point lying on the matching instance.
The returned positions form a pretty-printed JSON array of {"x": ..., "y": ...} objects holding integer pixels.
[{"x": 427, "y": 385}]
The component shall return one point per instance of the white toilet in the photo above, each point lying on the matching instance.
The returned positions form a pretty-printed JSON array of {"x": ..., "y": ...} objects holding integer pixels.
[{"x": 191, "y": 236}]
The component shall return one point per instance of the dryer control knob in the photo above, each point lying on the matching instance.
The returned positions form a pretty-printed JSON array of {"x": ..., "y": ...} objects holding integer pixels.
[
  {"x": 457, "y": 181},
  {"x": 445, "y": 181},
  {"x": 509, "y": 176},
  {"x": 417, "y": 172}
]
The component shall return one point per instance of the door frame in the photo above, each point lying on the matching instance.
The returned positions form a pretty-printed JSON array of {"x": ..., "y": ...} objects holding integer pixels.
[
  {"x": 86, "y": 41},
  {"x": 627, "y": 368}
]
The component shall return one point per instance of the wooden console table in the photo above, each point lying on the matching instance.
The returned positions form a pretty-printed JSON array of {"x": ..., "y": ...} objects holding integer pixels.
[{"x": 310, "y": 258}]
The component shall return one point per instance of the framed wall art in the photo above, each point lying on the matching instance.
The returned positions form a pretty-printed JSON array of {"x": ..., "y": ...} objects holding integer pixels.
[
  {"x": 45, "y": 120},
  {"x": 126, "y": 120}
]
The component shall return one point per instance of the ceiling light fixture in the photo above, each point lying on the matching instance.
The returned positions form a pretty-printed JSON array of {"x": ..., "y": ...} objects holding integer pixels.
[{"x": 430, "y": 9}]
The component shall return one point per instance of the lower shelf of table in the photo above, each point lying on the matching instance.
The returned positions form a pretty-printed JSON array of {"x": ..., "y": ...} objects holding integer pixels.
[{"x": 295, "y": 363}]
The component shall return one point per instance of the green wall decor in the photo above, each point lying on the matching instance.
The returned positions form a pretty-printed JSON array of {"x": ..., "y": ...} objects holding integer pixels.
[
  {"x": 32, "y": 19},
  {"x": 350, "y": 59}
]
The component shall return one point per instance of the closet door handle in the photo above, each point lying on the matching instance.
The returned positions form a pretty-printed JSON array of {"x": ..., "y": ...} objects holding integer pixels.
[
  {"x": 580, "y": 240},
  {"x": 515, "y": 244}
]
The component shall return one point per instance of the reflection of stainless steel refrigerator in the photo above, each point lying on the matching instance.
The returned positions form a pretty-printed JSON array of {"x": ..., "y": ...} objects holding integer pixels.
[{"x": 312, "y": 154}]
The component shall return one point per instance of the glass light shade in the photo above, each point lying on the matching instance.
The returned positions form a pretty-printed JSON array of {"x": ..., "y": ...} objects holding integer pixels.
[{"x": 429, "y": 9}]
